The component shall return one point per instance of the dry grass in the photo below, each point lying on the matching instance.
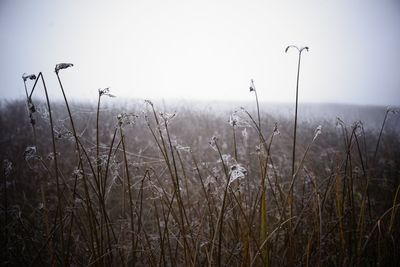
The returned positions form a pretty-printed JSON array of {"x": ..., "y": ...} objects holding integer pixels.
[{"x": 115, "y": 187}]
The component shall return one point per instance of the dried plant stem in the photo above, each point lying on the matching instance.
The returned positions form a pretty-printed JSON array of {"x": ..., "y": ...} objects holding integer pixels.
[
  {"x": 380, "y": 133},
  {"x": 56, "y": 171}
]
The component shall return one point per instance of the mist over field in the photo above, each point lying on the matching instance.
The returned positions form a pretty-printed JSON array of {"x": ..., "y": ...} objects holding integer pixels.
[
  {"x": 199, "y": 133},
  {"x": 198, "y": 183}
]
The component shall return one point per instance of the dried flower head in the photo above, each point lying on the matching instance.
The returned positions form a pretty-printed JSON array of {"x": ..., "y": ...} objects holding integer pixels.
[
  {"x": 62, "y": 66},
  {"x": 167, "y": 117},
  {"x": 317, "y": 132},
  {"x": 31, "y": 106},
  {"x": 105, "y": 91},
  {"x": 28, "y": 76},
  {"x": 51, "y": 156},
  {"x": 30, "y": 152},
  {"x": 213, "y": 142},
  {"x": 252, "y": 86},
  {"x": 237, "y": 171},
  {"x": 392, "y": 110},
  {"x": 298, "y": 49},
  {"x": 358, "y": 128},
  {"x": 233, "y": 119},
  {"x": 237, "y": 118},
  {"x": 126, "y": 119},
  {"x": 276, "y": 131}
]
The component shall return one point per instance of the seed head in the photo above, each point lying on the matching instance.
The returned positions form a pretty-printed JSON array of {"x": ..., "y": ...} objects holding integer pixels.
[
  {"x": 30, "y": 152},
  {"x": 317, "y": 132},
  {"x": 276, "y": 130},
  {"x": 213, "y": 142},
  {"x": 126, "y": 119},
  {"x": 105, "y": 91},
  {"x": 392, "y": 110},
  {"x": 233, "y": 119},
  {"x": 28, "y": 76},
  {"x": 252, "y": 87},
  {"x": 62, "y": 66},
  {"x": 237, "y": 171}
]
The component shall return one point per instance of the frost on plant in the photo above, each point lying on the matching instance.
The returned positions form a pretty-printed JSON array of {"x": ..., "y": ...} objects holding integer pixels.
[
  {"x": 233, "y": 119},
  {"x": 276, "y": 130},
  {"x": 236, "y": 120},
  {"x": 167, "y": 117},
  {"x": 126, "y": 119},
  {"x": 62, "y": 66},
  {"x": 7, "y": 167},
  {"x": 213, "y": 143},
  {"x": 50, "y": 156},
  {"x": 31, "y": 106},
  {"x": 77, "y": 173},
  {"x": 30, "y": 152},
  {"x": 226, "y": 158},
  {"x": 340, "y": 123},
  {"x": 392, "y": 110},
  {"x": 237, "y": 172},
  {"x": 317, "y": 132},
  {"x": 183, "y": 148},
  {"x": 245, "y": 133}
]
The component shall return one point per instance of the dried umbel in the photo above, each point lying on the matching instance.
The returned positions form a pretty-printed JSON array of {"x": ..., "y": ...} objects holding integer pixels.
[
  {"x": 28, "y": 77},
  {"x": 105, "y": 92},
  {"x": 62, "y": 66},
  {"x": 276, "y": 130},
  {"x": 392, "y": 110},
  {"x": 167, "y": 117},
  {"x": 237, "y": 171},
  {"x": 237, "y": 119}
]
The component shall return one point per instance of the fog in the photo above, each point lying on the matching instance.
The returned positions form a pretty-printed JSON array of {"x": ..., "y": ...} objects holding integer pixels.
[{"x": 205, "y": 50}]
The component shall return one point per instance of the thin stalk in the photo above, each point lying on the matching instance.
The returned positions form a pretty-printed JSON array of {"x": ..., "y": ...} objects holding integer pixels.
[
  {"x": 294, "y": 148},
  {"x": 295, "y": 116},
  {"x": 380, "y": 134},
  {"x": 222, "y": 211},
  {"x": 130, "y": 197},
  {"x": 55, "y": 165}
]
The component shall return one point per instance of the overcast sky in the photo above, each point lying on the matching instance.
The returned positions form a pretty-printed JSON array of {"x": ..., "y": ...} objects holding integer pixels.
[{"x": 208, "y": 49}]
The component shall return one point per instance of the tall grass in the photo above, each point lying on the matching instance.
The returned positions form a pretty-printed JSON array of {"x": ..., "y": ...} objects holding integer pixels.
[{"x": 144, "y": 187}]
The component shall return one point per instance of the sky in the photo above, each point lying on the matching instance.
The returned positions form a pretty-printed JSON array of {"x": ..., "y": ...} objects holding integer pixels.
[{"x": 204, "y": 50}]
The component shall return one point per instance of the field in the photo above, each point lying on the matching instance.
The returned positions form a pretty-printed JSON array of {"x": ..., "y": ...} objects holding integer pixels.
[{"x": 158, "y": 184}]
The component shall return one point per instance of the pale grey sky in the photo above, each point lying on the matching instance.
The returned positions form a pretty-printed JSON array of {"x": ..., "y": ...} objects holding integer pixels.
[{"x": 206, "y": 49}]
